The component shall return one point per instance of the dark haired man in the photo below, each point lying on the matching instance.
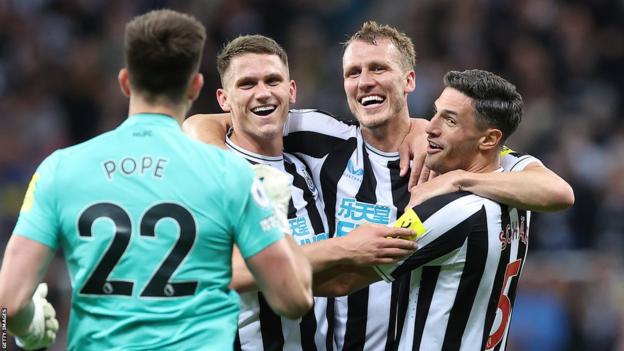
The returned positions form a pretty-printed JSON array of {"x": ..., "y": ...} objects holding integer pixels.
[
  {"x": 461, "y": 281},
  {"x": 357, "y": 169},
  {"x": 147, "y": 219}
]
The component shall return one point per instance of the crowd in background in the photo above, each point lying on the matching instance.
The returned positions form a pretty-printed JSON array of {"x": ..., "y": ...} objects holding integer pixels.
[{"x": 59, "y": 61}]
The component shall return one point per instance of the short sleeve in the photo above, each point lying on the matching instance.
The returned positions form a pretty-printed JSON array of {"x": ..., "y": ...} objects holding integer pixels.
[
  {"x": 254, "y": 224},
  {"x": 512, "y": 161},
  {"x": 39, "y": 219}
]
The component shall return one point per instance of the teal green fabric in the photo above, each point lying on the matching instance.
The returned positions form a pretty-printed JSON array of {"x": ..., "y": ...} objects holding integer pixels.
[{"x": 146, "y": 219}]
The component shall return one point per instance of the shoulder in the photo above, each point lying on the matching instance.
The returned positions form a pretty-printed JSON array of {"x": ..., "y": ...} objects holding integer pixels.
[
  {"x": 516, "y": 161},
  {"x": 458, "y": 204}
]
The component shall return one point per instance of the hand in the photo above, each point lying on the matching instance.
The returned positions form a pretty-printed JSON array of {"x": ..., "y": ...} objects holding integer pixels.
[
  {"x": 439, "y": 185},
  {"x": 414, "y": 149},
  {"x": 372, "y": 244},
  {"x": 44, "y": 326},
  {"x": 277, "y": 186}
]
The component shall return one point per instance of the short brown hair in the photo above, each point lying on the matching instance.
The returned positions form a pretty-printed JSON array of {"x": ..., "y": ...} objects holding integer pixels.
[
  {"x": 372, "y": 31},
  {"x": 162, "y": 50},
  {"x": 248, "y": 44}
]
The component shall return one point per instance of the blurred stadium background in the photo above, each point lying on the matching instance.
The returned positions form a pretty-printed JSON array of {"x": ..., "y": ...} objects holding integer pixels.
[{"x": 59, "y": 61}]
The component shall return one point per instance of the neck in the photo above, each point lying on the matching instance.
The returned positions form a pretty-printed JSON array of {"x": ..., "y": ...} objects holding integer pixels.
[
  {"x": 138, "y": 105},
  {"x": 389, "y": 136},
  {"x": 266, "y": 147},
  {"x": 485, "y": 163}
]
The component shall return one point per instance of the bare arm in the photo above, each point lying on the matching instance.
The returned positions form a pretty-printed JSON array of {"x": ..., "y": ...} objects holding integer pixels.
[
  {"x": 349, "y": 280},
  {"x": 208, "y": 128},
  {"x": 367, "y": 245},
  {"x": 24, "y": 265},
  {"x": 535, "y": 188},
  {"x": 284, "y": 276}
]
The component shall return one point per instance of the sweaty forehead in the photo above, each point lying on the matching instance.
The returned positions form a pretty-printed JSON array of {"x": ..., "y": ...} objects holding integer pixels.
[{"x": 254, "y": 66}]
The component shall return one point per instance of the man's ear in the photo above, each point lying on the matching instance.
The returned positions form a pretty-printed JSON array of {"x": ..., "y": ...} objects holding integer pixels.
[
  {"x": 223, "y": 100},
  {"x": 293, "y": 92},
  {"x": 124, "y": 81},
  {"x": 196, "y": 85},
  {"x": 490, "y": 139},
  {"x": 410, "y": 82}
]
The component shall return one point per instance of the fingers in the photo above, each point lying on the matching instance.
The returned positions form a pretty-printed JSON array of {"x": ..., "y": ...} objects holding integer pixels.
[
  {"x": 42, "y": 290},
  {"x": 404, "y": 159},
  {"x": 418, "y": 167},
  {"x": 424, "y": 175}
]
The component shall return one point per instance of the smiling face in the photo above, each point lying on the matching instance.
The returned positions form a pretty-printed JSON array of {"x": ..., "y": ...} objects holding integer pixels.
[
  {"x": 375, "y": 83},
  {"x": 453, "y": 135},
  {"x": 257, "y": 91}
]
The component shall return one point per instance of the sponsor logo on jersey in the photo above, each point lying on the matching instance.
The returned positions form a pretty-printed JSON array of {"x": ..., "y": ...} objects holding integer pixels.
[{"x": 352, "y": 213}]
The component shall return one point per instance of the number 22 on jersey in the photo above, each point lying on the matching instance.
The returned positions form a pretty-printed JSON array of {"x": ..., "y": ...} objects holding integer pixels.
[{"x": 159, "y": 285}]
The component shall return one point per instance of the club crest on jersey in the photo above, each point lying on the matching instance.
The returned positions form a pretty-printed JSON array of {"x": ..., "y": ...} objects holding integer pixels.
[{"x": 259, "y": 195}]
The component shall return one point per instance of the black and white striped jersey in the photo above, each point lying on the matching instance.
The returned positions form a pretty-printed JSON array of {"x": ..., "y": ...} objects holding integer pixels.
[
  {"x": 357, "y": 184},
  {"x": 463, "y": 276},
  {"x": 258, "y": 327}
]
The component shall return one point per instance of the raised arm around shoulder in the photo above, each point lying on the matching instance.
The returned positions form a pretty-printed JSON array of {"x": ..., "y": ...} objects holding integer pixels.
[
  {"x": 284, "y": 275},
  {"x": 208, "y": 128},
  {"x": 535, "y": 188}
]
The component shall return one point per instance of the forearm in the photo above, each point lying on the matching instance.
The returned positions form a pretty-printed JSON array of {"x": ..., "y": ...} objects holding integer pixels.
[
  {"x": 536, "y": 188},
  {"x": 19, "y": 321},
  {"x": 325, "y": 254},
  {"x": 344, "y": 280},
  {"x": 24, "y": 265}
]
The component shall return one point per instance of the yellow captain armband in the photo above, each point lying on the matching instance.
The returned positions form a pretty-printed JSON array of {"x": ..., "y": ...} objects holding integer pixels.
[
  {"x": 505, "y": 151},
  {"x": 29, "y": 198},
  {"x": 410, "y": 220}
]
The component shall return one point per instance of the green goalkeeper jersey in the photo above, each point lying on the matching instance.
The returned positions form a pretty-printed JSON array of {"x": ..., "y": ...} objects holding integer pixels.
[{"x": 146, "y": 219}]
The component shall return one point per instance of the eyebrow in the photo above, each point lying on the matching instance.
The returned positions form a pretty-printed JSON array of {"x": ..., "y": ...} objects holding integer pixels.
[{"x": 444, "y": 111}]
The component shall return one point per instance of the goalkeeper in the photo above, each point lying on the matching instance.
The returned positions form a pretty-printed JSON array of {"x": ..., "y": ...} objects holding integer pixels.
[{"x": 147, "y": 219}]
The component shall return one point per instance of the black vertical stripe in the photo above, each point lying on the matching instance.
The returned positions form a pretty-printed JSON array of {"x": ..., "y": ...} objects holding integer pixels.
[
  {"x": 392, "y": 322},
  {"x": 498, "y": 281},
  {"x": 237, "y": 344},
  {"x": 428, "y": 282},
  {"x": 357, "y": 314},
  {"x": 331, "y": 172},
  {"x": 402, "y": 304},
  {"x": 400, "y": 198},
  {"x": 355, "y": 335},
  {"x": 366, "y": 193},
  {"x": 474, "y": 267},
  {"x": 400, "y": 193},
  {"x": 307, "y": 328},
  {"x": 313, "y": 213},
  {"x": 270, "y": 327},
  {"x": 329, "y": 339}
]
